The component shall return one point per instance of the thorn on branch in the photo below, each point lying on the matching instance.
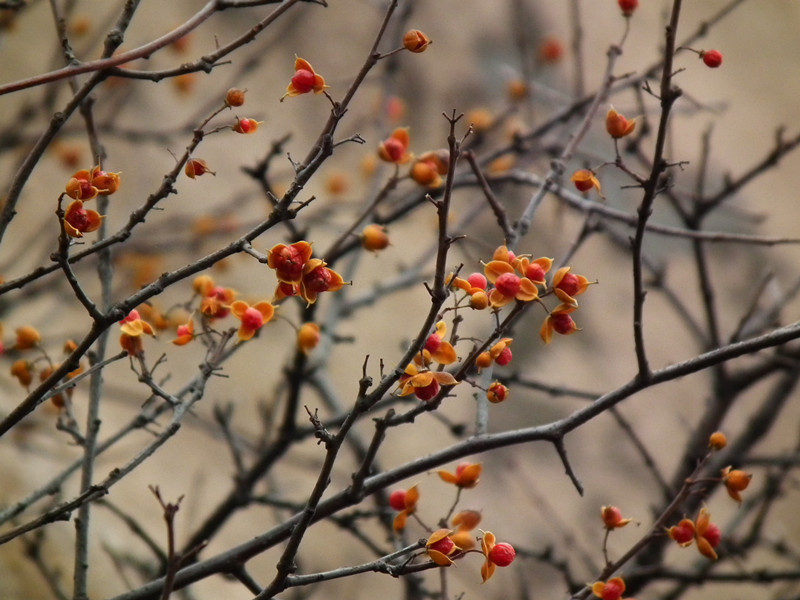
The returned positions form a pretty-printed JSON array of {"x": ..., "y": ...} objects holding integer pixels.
[
  {"x": 433, "y": 201},
  {"x": 353, "y": 138},
  {"x": 322, "y": 434}
]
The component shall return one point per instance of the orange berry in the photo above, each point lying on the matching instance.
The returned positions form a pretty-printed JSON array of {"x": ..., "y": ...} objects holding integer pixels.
[
  {"x": 463, "y": 539},
  {"x": 483, "y": 360},
  {"x": 584, "y": 180},
  {"x": 424, "y": 173},
  {"x": 336, "y": 183},
  {"x": 480, "y": 119},
  {"x": 185, "y": 83},
  {"x": 27, "y": 337},
  {"x": 416, "y": 41},
  {"x": 21, "y": 369},
  {"x": 308, "y": 337},
  {"x": 196, "y": 167},
  {"x": 735, "y": 481},
  {"x": 617, "y": 125},
  {"x": 717, "y": 440},
  {"x": 373, "y": 237},
  {"x": 479, "y": 301},
  {"x": 235, "y": 97}
]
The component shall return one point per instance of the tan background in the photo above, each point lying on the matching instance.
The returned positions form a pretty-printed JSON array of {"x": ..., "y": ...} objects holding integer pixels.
[{"x": 523, "y": 494}]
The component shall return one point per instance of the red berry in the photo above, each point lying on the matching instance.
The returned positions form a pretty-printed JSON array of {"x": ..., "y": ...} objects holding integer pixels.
[
  {"x": 252, "y": 319},
  {"x": 551, "y": 50},
  {"x": 433, "y": 343},
  {"x": 78, "y": 218},
  {"x": 504, "y": 357},
  {"x": 502, "y": 554},
  {"x": 507, "y": 284},
  {"x": 712, "y": 58},
  {"x": 397, "y": 499},
  {"x": 628, "y": 6},
  {"x": 534, "y": 272},
  {"x": 683, "y": 532},
  {"x": 563, "y": 323},
  {"x": 288, "y": 289},
  {"x": 569, "y": 284},
  {"x": 303, "y": 80},
  {"x": 289, "y": 263},
  {"x": 713, "y": 535},
  {"x": 477, "y": 280},
  {"x": 611, "y": 515},
  {"x": 444, "y": 545},
  {"x": 427, "y": 392},
  {"x": 318, "y": 280},
  {"x": 394, "y": 149},
  {"x": 613, "y": 589}
]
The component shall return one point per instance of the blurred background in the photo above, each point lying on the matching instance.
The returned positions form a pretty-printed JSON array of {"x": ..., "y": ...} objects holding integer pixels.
[{"x": 480, "y": 52}]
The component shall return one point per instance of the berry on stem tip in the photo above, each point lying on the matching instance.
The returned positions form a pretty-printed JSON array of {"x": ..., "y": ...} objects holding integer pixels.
[{"x": 711, "y": 58}]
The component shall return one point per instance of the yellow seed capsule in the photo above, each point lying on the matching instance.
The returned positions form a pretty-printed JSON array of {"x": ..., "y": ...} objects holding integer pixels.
[
  {"x": 717, "y": 440},
  {"x": 424, "y": 173},
  {"x": 27, "y": 337},
  {"x": 21, "y": 369},
  {"x": 483, "y": 360},
  {"x": 373, "y": 238},
  {"x": 617, "y": 125},
  {"x": 479, "y": 301},
  {"x": 308, "y": 337}
]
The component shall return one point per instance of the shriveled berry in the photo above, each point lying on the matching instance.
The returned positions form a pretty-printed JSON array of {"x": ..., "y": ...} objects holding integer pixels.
[
  {"x": 234, "y": 97},
  {"x": 319, "y": 280}
]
